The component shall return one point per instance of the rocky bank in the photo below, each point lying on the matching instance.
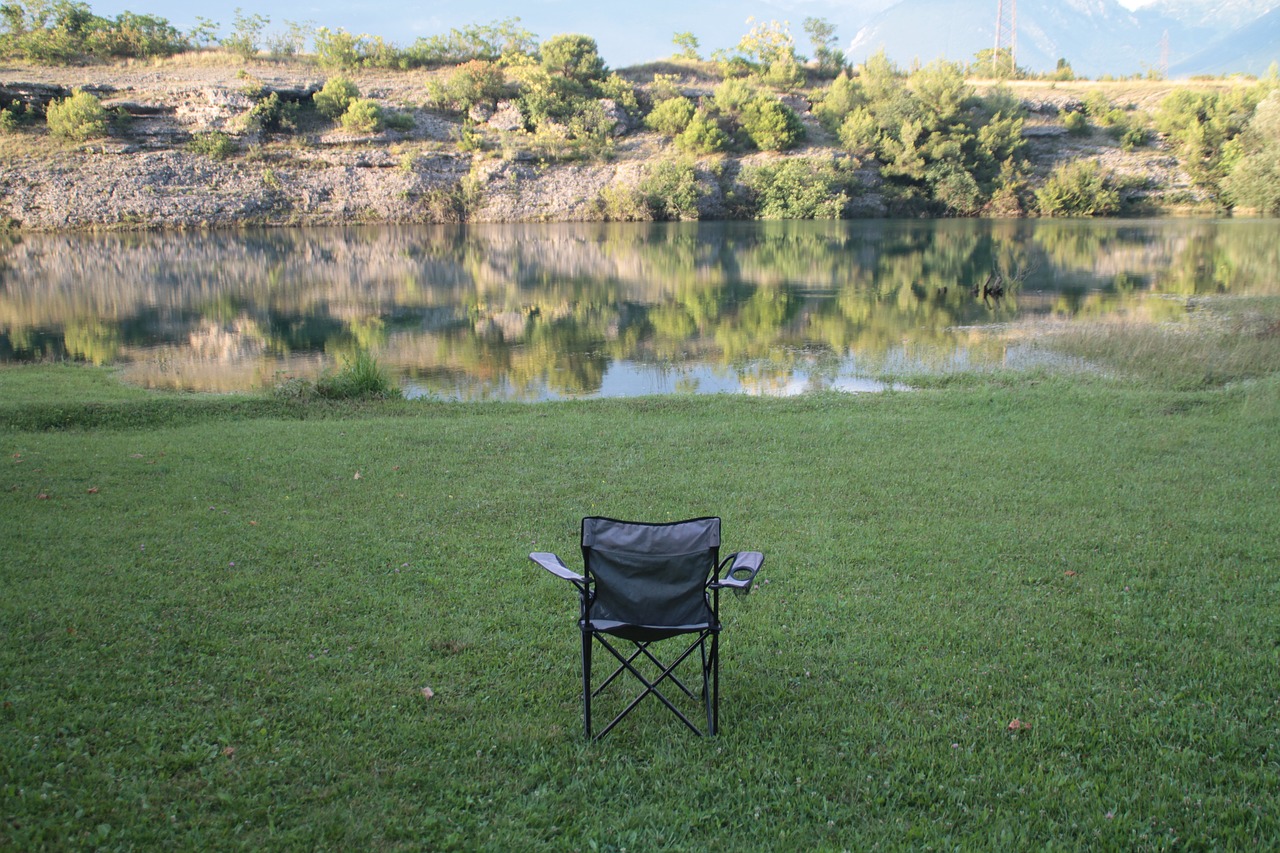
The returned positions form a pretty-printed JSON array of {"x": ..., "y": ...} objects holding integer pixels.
[{"x": 145, "y": 175}]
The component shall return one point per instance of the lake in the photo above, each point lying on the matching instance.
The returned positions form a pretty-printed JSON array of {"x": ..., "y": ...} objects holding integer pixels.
[{"x": 535, "y": 312}]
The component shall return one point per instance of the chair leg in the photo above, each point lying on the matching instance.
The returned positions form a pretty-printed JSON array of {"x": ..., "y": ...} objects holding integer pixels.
[
  {"x": 711, "y": 686},
  {"x": 586, "y": 683},
  {"x": 652, "y": 687}
]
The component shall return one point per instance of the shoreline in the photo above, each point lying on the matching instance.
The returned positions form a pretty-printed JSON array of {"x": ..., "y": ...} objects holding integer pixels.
[{"x": 146, "y": 176}]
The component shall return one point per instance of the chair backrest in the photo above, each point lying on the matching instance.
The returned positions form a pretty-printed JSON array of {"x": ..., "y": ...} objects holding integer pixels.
[{"x": 650, "y": 574}]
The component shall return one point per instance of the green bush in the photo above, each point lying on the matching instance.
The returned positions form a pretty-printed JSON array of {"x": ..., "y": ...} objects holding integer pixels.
[
  {"x": 672, "y": 190},
  {"x": 362, "y": 116},
  {"x": 840, "y": 99},
  {"x": 272, "y": 114},
  {"x": 14, "y": 116},
  {"x": 618, "y": 90},
  {"x": 67, "y": 31},
  {"x": 574, "y": 57},
  {"x": 1078, "y": 188},
  {"x": 1075, "y": 121},
  {"x": 671, "y": 116},
  {"x": 79, "y": 117},
  {"x": 215, "y": 144},
  {"x": 501, "y": 40},
  {"x": 334, "y": 98},
  {"x": 1254, "y": 180},
  {"x": 732, "y": 96},
  {"x": 471, "y": 83},
  {"x": 245, "y": 32},
  {"x": 771, "y": 124},
  {"x": 1202, "y": 128},
  {"x": 954, "y": 188},
  {"x": 703, "y": 135},
  {"x": 396, "y": 120},
  {"x": 941, "y": 144},
  {"x": 360, "y": 377},
  {"x": 801, "y": 188},
  {"x": 860, "y": 132},
  {"x": 339, "y": 48},
  {"x": 624, "y": 204}
]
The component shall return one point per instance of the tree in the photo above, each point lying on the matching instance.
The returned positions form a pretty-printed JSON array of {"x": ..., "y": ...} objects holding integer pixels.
[
  {"x": 996, "y": 65},
  {"x": 688, "y": 44},
  {"x": 765, "y": 44},
  {"x": 1203, "y": 126},
  {"x": 1254, "y": 182},
  {"x": 245, "y": 32},
  {"x": 822, "y": 35},
  {"x": 574, "y": 57}
]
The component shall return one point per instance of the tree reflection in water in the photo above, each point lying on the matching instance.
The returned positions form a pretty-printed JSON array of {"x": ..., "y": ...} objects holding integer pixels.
[{"x": 538, "y": 311}]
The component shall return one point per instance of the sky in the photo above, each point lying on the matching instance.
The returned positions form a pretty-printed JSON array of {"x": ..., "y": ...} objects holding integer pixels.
[{"x": 627, "y": 34}]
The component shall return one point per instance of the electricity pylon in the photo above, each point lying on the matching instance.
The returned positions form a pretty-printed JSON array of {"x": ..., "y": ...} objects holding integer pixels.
[{"x": 1006, "y": 35}]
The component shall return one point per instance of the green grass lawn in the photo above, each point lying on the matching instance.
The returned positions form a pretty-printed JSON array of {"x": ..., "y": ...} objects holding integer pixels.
[{"x": 219, "y": 615}]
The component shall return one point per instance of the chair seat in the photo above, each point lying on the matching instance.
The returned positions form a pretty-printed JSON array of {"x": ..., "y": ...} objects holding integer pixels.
[{"x": 646, "y": 633}]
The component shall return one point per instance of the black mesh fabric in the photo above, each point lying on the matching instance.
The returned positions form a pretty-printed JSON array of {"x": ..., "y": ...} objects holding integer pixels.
[{"x": 650, "y": 576}]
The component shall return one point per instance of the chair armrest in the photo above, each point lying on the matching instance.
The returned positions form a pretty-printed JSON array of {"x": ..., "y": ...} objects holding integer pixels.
[
  {"x": 742, "y": 573},
  {"x": 556, "y": 566}
]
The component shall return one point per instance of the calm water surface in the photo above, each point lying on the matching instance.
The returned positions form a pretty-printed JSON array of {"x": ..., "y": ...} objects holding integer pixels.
[{"x": 535, "y": 312}]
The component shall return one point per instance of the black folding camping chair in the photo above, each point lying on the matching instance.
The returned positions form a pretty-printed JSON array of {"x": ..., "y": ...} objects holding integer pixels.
[{"x": 644, "y": 583}]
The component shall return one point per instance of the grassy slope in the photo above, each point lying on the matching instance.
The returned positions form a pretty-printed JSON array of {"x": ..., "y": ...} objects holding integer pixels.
[{"x": 216, "y": 633}]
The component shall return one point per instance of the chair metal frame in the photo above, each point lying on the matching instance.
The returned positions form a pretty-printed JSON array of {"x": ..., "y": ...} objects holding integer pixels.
[{"x": 598, "y": 588}]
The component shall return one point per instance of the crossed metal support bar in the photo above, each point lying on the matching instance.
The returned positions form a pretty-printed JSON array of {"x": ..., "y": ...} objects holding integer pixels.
[{"x": 710, "y": 678}]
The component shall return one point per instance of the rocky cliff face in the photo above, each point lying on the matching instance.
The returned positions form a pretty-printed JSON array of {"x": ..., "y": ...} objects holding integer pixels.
[{"x": 146, "y": 175}]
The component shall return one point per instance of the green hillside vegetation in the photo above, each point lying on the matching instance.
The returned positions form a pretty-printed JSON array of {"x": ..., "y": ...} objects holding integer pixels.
[{"x": 938, "y": 140}]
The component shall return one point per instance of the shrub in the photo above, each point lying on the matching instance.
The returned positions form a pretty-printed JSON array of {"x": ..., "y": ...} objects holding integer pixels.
[
  {"x": 14, "y": 117},
  {"x": 215, "y": 144},
  {"x": 1130, "y": 131},
  {"x": 771, "y": 124},
  {"x": 472, "y": 83},
  {"x": 394, "y": 120},
  {"x": 1078, "y": 188},
  {"x": 800, "y": 188},
  {"x": 272, "y": 115},
  {"x": 703, "y": 135},
  {"x": 733, "y": 95},
  {"x": 245, "y": 32},
  {"x": 362, "y": 116},
  {"x": 671, "y": 190},
  {"x": 575, "y": 57},
  {"x": 79, "y": 117},
  {"x": 618, "y": 90},
  {"x": 860, "y": 132},
  {"x": 841, "y": 98},
  {"x": 332, "y": 100},
  {"x": 338, "y": 48},
  {"x": 360, "y": 377},
  {"x": 1076, "y": 123},
  {"x": 1254, "y": 180},
  {"x": 625, "y": 204},
  {"x": 671, "y": 116}
]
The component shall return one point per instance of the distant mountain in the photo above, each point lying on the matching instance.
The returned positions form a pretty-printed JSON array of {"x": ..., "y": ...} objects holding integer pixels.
[
  {"x": 1250, "y": 49},
  {"x": 1220, "y": 18},
  {"x": 1097, "y": 37}
]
